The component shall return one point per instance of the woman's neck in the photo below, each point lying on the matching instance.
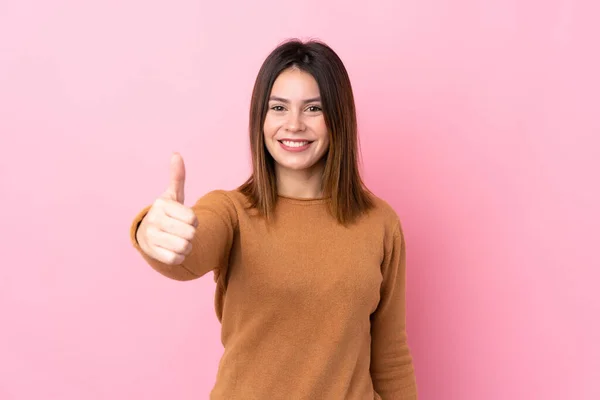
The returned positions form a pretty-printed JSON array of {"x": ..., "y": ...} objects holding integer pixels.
[{"x": 303, "y": 184}]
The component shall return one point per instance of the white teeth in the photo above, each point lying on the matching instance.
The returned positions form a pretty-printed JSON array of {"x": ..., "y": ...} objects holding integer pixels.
[{"x": 294, "y": 144}]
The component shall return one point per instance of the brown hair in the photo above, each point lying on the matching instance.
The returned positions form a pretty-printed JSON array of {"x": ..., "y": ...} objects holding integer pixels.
[{"x": 341, "y": 177}]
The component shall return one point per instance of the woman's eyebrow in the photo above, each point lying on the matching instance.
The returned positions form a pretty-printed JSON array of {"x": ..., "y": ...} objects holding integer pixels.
[{"x": 283, "y": 100}]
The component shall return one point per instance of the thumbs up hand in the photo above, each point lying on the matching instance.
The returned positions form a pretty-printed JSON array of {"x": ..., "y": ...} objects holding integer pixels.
[{"x": 167, "y": 230}]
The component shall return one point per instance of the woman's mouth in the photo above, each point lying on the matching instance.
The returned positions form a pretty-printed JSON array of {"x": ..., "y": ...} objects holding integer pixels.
[{"x": 294, "y": 145}]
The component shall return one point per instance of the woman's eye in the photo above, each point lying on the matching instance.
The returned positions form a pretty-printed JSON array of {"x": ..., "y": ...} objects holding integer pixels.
[
  {"x": 314, "y": 108},
  {"x": 277, "y": 108}
]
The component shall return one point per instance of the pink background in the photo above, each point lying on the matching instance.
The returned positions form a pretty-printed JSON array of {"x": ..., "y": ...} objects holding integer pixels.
[{"x": 479, "y": 123}]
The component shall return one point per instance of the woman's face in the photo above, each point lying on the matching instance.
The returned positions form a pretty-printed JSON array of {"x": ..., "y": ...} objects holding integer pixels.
[{"x": 295, "y": 132}]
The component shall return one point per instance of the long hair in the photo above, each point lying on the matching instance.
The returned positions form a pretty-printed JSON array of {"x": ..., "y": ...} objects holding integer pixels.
[{"x": 341, "y": 178}]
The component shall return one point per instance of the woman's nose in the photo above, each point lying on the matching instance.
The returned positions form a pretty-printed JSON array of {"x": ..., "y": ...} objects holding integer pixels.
[{"x": 294, "y": 122}]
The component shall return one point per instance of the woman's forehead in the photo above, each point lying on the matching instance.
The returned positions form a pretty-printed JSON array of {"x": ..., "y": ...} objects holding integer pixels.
[{"x": 294, "y": 84}]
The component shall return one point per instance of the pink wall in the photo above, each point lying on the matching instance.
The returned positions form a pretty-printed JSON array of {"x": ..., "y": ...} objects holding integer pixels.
[{"x": 479, "y": 122}]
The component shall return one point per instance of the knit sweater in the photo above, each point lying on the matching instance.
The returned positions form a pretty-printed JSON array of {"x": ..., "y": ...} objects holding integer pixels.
[{"x": 309, "y": 309}]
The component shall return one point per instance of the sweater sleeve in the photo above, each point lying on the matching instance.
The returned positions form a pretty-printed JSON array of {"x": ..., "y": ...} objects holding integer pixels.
[
  {"x": 391, "y": 362},
  {"x": 217, "y": 222}
]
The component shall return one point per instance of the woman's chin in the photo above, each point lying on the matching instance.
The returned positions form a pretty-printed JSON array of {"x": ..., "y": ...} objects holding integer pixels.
[{"x": 295, "y": 166}]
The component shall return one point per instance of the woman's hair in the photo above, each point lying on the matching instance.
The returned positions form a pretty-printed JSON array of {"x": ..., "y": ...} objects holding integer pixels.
[{"x": 341, "y": 177}]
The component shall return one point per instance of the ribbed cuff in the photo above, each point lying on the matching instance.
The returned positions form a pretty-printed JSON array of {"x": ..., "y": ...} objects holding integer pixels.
[{"x": 135, "y": 225}]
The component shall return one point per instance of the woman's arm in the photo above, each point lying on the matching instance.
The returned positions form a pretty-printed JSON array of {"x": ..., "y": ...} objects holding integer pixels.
[
  {"x": 211, "y": 243},
  {"x": 391, "y": 362}
]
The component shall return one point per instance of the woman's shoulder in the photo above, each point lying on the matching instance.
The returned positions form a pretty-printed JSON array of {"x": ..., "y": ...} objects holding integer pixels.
[{"x": 384, "y": 212}]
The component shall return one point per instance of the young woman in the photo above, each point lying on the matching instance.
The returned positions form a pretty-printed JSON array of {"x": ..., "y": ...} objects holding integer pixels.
[{"x": 309, "y": 265}]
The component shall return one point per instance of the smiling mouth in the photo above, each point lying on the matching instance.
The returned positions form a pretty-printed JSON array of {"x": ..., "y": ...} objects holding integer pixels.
[{"x": 295, "y": 143}]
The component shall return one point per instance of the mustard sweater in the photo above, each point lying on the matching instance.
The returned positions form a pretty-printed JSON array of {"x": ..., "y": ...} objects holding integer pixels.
[{"x": 309, "y": 309}]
